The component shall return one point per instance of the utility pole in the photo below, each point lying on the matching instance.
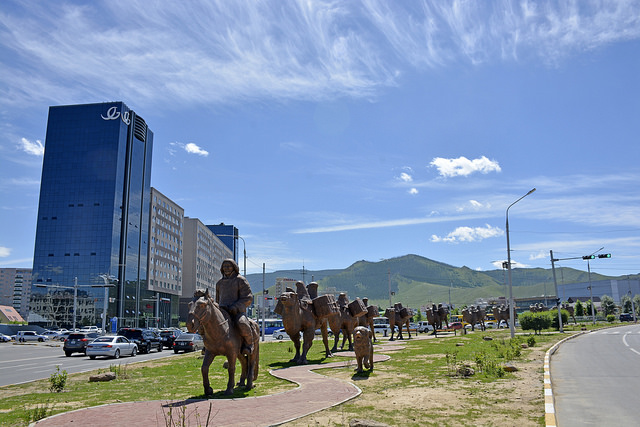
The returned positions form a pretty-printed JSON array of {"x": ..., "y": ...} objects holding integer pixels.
[{"x": 555, "y": 284}]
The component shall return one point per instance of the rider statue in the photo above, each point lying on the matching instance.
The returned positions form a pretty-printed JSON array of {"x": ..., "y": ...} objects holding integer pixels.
[{"x": 233, "y": 294}]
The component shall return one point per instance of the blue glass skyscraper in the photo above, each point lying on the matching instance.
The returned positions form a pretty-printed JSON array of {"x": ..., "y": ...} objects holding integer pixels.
[{"x": 93, "y": 215}]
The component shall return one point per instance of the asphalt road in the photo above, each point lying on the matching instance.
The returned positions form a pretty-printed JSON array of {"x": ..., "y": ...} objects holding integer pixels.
[
  {"x": 596, "y": 378},
  {"x": 21, "y": 363}
]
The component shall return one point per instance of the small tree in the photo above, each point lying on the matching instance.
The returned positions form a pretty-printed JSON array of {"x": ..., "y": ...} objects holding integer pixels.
[
  {"x": 626, "y": 304},
  {"x": 579, "y": 309},
  {"x": 588, "y": 309},
  {"x": 535, "y": 321},
  {"x": 607, "y": 305}
]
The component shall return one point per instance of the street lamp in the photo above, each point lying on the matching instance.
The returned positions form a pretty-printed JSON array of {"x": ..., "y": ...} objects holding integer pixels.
[
  {"x": 511, "y": 303},
  {"x": 589, "y": 258},
  {"x": 106, "y": 286}
]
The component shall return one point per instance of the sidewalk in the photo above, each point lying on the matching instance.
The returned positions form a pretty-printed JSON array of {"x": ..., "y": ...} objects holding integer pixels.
[{"x": 315, "y": 393}]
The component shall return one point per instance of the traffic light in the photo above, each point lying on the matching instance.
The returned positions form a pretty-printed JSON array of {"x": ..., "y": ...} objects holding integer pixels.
[
  {"x": 589, "y": 257},
  {"x": 604, "y": 255}
]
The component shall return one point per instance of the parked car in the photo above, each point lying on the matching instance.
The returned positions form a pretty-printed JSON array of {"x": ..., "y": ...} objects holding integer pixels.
[
  {"x": 146, "y": 339},
  {"x": 626, "y": 317},
  {"x": 77, "y": 342},
  {"x": 111, "y": 346},
  {"x": 188, "y": 342},
  {"x": 5, "y": 338},
  {"x": 168, "y": 336},
  {"x": 52, "y": 335},
  {"x": 281, "y": 334},
  {"x": 455, "y": 325},
  {"x": 424, "y": 326},
  {"x": 24, "y": 336},
  {"x": 490, "y": 324},
  {"x": 383, "y": 329},
  {"x": 90, "y": 329},
  {"x": 62, "y": 336}
]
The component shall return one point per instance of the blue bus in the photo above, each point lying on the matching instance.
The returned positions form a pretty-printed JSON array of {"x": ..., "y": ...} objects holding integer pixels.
[{"x": 270, "y": 325}]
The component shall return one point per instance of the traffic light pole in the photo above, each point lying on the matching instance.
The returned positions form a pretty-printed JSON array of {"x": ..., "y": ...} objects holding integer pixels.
[{"x": 555, "y": 282}]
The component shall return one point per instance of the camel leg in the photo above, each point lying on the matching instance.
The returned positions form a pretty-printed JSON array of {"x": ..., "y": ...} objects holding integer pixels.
[
  {"x": 373, "y": 330},
  {"x": 306, "y": 345},
  {"x": 206, "y": 362},
  {"x": 231, "y": 369},
  {"x": 296, "y": 343},
  {"x": 325, "y": 340}
]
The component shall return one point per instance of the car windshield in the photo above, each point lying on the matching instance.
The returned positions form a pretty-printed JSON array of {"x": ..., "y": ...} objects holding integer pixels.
[
  {"x": 104, "y": 339},
  {"x": 187, "y": 337},
  {"x": 76, "y": 336}
]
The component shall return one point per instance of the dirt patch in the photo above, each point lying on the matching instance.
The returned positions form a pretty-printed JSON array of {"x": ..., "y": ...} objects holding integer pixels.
[{"x": 459, "y": 402}]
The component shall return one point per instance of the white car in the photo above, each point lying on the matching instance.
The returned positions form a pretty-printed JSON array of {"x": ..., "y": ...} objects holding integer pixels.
[
  {"x": 281, "y": 334},
  {"x": 24, "y": 336},
  {"x": 490, "y": 324},
  {"x": 111, "y": 346},
  {"x": 424, "y": 326},
  {"x": 5, "y": 338}
]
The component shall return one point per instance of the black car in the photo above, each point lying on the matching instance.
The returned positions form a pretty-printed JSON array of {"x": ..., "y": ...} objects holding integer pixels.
[
  {"x": 188, "y": 342},
  {"x": 626, "y": 317},
  {"x": 77, "y": 342},
  {"x": 168, "y": 336},
  {"x": 146, "y": 339}
]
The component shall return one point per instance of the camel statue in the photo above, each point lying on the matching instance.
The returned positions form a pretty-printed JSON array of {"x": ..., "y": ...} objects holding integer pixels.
[
  {"x": 343, "y": 322},
  {"x": 501, "y": 313},
  {"x": 434, "y": 320},
  {"x": 398, "y": 316},
  {"x": 443, "y": 315},
  {"x": 298, "y": 316},
  {"x": 537, "y": 308},
  {"x": 221, "y": 337},
  {"x": 367, "y": 319},
  {"x": 474, "y": 315}
]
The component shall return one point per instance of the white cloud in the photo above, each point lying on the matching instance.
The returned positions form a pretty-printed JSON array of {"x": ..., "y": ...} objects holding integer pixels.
[
  {"x": 405, "y": 177},
  {"x": 4, "y": 252},
  {"x": 413, "y": 191},
  {"x": 194, "y": 149},
  {"x": 469, "y": 234},
  {"x": 539, "y": 255},
  {"x": 463, "y": 166},
  {"x": 190, "y": 148},
  {"x": 34, "y": 148}
]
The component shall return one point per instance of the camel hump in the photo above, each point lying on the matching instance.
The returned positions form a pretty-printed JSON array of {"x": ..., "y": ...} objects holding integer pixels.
[
  {"x": 312, "y": 288},
  {"x": 301, "y": 290}
]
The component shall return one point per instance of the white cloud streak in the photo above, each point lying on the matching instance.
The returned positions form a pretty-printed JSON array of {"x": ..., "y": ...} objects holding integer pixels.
[
  {"x": 229, "y": 52},
  {"x": 194, "y": 149},
  {"x": 4, "y": 252}
]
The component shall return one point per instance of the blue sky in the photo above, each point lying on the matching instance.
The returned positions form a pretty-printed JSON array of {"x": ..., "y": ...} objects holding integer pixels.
[{"x": 330, "y": 132}]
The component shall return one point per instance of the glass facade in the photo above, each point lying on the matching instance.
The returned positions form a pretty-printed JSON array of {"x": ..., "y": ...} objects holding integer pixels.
[{"x": 93, "y": 216}]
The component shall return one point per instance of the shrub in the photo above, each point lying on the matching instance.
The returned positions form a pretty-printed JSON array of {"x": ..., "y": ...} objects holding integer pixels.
[
  {"x": 58, "y": 380},
  {"x": 531, "y": 341},
  {"x": 535, "y": 321},
  {"x": 554, "y": 320},
  {"x": 611, "y": 318}
]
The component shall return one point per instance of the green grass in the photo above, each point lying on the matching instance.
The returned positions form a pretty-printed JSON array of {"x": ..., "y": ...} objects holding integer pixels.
[{"x": 422, "y": 363}]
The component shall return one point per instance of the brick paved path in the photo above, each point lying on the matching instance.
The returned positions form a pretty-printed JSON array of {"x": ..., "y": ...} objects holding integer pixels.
[{"x": 315, "y": 393}]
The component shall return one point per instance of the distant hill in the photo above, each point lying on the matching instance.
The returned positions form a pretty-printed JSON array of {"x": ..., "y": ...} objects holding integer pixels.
[{"x": 417, "y": 281}]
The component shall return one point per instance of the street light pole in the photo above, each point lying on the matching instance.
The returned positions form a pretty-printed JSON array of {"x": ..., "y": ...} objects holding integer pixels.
[
  {"x": 511, "y": 302},
  {"x": 75, "y": 300},
  {"x": 105, "y": 304},
  {"x": 593, "y": 312}
]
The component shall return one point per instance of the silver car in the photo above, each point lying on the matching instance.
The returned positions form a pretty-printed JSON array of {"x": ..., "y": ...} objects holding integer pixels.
[{"x": 111, "y": 346}]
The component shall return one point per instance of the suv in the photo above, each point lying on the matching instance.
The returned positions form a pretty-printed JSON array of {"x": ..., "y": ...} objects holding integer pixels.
[
  {"x": 146, "y": 339},
  {"x": 24, "y": 336},
  {"x": 77, "y": 342},
  {"x": 424, "y": 326},
  {"x": 168, "y": 336},
  {"x": 626, "y": 317}
]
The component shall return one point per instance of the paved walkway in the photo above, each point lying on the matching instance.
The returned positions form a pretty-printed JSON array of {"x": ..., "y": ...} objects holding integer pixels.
[{"x": 314, "y": 393}]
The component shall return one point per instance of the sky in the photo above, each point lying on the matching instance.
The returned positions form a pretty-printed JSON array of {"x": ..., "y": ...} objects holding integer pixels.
[{"x": 330, "y": 132}]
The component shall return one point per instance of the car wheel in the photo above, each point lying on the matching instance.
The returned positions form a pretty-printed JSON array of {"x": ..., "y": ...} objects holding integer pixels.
[
  {"x": 175, "y": 351},
  {"x": 160, "y": 347},
  {"x": 134, "y": 352},
  {"x": 116, "y": 355},
  {"x": 92, "y": 357},
  {"x": 67, "y": 353},
  {"x": 40, "y": 340}
]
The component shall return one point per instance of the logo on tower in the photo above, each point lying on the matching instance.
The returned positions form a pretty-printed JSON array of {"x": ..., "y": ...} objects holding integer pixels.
[{"x": 114, "y": 114}]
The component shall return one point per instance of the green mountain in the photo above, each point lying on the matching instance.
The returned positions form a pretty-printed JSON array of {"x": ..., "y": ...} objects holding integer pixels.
[{"x": 417, "y": 281}]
